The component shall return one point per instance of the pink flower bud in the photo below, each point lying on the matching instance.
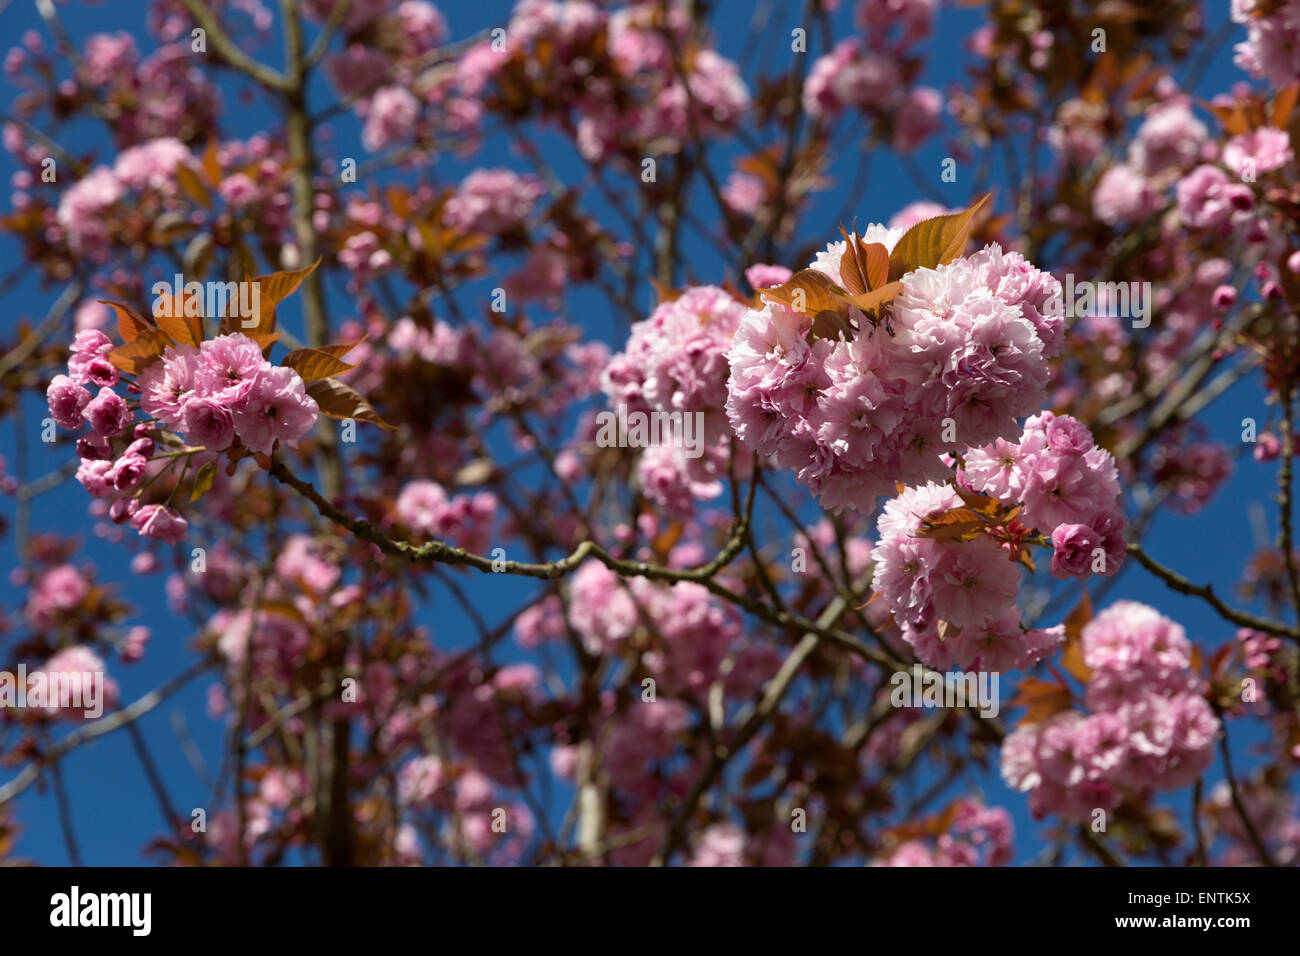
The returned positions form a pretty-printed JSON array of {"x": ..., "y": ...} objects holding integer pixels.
[
  {"x": 157, "y": 521},
  {"x": 1224, "y": 297}
]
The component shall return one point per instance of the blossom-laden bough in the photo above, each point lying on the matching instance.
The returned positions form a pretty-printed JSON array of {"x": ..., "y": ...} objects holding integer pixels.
[
  {"x": 931, "y": 444},
  {"x": 202, "y": 399}
]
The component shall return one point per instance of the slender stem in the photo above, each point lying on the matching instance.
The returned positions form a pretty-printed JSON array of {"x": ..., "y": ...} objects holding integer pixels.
[
  {"x": 1206, "y": 592},
  {"x": 226, "y": 49},
  {"x": 1284, "y": 494},
  {"x": 1255, "y": 839}
]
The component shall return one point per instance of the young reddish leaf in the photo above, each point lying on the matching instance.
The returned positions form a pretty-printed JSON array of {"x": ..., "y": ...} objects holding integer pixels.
[
  {"x": 130, "y": 323},
  {"x": 142, "y": 351},
  {"x": 399, "y": 200},
  {"x": 873, "y": 303},
  {"x": 764, "y": 165},
  {"x": 286, "y": 609},
  {"x": 272, "y": 290},
  {"x": 947, "y": 629},
  {"x": 340, "y": 349},
  {"x": 1232, "y": 117},
  {"x": 749, "y": 302},
  {"x": 957, "y": 524},
  {"x": 853, "y": 267},
  {"x": 186, "y": 329},
  {"x": 340, "y": 401},
  {"x": 876, "y": 257},
  {"x": 864, "y": 265},
  {"x": 211, "y": 168},
  {"x": 666, "y": 540},
  {"x": 1041, "y": 698},
  {"x": 313, "y": 364},
  {"x": 983, "y": 504},
  {"x": 1218, "y": 660},
  {"x": 265, "y": 340},
  {"x": 1284, "y": 104},
  {"x": 933, "y": 242},
  {"x": 1072, "y": 659},
  {"x": 992, "y": 509},
  {"x": 203, "y": 480},
  {"x": 808, "y": 291},
  {"x": 192, "y": 186},
  {"x": 830, "y": 325},
  {"x": 665, "y": 293},
  {"x": 874, "y": 595}
]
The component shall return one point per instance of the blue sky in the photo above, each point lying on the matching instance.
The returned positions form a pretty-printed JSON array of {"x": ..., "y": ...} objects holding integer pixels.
[{"x": 114, "y": 810}]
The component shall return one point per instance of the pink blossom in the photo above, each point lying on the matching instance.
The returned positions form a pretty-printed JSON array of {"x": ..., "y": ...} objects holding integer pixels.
[
  {"x": 1169, "y": 138},
  {"x": 152, "y": 164},
  {"x": 1072, "y": 546},
  {"x": 107, "y": 413},
  {"x": 493, "y": 201},
  {"x": 764, "y": 276},
  {"x": 67, "y": 401},
  {"x": 390, "y": 116},
  {"x": 1204, "y": 199},
  {"x": 84, "y": 207},
  {"x": 1272, "y": 46},
  {"x": 166, "y": 386},
  {"x": 237, "y": 190},
  {"x": 1224, "y": 297},
  {"x": 722, "y": 844},
  {"x": 743, "y": 193},
  {"x": 918, "y": 118},
  {"x": 96, "y": 477},
  {"x": 83, "y": 673},
  {"x": 1259, "y": 151},
  {"x": 208, "y": 422},
  {"x": 276, "y": 406},
  {"x": 54, "y": 592},
  {"x": 157, "y": 521},
  {"x": 128, "y": 470},
  {"x": 1123, "y": 195},
  {"x": 226, "y": 368}
]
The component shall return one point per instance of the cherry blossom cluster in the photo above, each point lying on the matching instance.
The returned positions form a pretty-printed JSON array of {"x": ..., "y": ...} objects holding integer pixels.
[
  {"x": 75, "y": 667},
  {"x": 124, "y": 202},
  {"x": 963, "y": 356},
  {"x": 226, "y": 391},
  {"x": 726, "y": 844},
  {"x": 576, "y": 55},
  {"x": 855, "y": 76},
  {"x": 693, "y": 630},
  {"x": 471, "y": 798},
  {"x": 675, "y": 361},
  {"x": 222, "y": 393},
  {"x": 1069, "y": 489},
  {"x": 1055, "y": 483},
  {"x": 1272, "y": 46},
  {"x": 953, "y": 601},
  {"x": 1272, "y": 811},
  {"x": 1148, "y": 727},
  {"x": 1213, "y": 186},
  {"x": 74, "y": 620},
  {"x": 381, "y": 69},
  {"x": 977, "y": 836},
  {"x": 426, "y": 508},
  {"x": 493, "y": 201}
]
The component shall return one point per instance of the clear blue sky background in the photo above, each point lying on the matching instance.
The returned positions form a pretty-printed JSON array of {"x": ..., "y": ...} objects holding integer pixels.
[{"x": 114, "y": 810}]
